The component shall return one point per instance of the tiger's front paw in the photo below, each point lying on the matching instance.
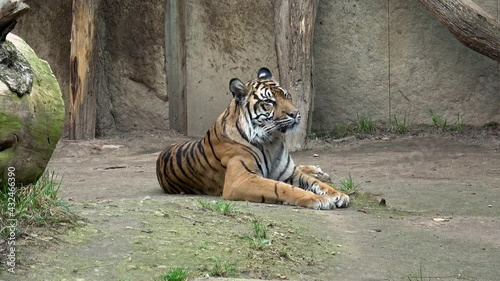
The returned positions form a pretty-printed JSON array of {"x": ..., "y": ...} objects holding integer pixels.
[
  {"x": 319, "y": 174},
  {"x": 341, "y": 200},
  {"x": 325, "y": 202}
]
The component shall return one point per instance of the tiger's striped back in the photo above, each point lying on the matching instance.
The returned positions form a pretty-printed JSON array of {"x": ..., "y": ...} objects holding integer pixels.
[{"x": 187, "y": 168}]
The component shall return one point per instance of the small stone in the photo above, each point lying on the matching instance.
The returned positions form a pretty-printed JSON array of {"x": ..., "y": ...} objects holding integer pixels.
[
  {"x": 316, "y": 155},
  {"x": 442, "y": 219},
  {"x": 489, "y": 206},
  {"x": 159, "y": 214},
  {"x": 111, "y": 146},
  {"x": 132, "y": 266}
]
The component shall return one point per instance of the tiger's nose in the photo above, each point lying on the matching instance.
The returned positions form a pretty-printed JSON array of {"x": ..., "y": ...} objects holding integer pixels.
[{"x": 294, "y": 113}]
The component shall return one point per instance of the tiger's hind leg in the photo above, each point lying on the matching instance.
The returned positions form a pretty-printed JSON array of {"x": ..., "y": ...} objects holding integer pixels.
[{"x": 315, "y": 171}]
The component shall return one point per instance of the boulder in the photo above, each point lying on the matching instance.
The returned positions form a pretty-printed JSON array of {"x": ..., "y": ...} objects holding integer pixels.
[{"x": 31, "y": 112}]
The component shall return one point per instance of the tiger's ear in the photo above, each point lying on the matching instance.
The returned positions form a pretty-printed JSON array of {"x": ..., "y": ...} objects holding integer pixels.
[
  {"x": 264, "y": 73},
  {"x": 240, "y": 93}
]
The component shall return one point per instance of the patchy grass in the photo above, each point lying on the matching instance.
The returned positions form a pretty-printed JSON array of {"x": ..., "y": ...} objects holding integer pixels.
[
  {"x": 226, "y": 208},
  {"x": 366, "y": 200},
  {"x": 400, "y": 126},
  {"x": 175, "y": 274},
  {"x": 438, "y": 122},
  {"x": 35, "y": 205},
  {"x": 260, "y": 237},
  {"x": 365, "y": 124},
  {"x": 343, "y": 130},
  {"x": 442, "y": 124},
  {"x": 459, "y": 126},
  {"x": 347, "y": 185},
  {"x": 222, "y": 268}
]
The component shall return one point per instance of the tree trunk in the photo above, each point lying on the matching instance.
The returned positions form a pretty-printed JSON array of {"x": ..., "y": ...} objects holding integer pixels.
[
  {"x": 84, "y": 69},
  {"x": 175, "y": 56},
  {"x": 10, "y": 11},
  {"x": 294, "y": 28},
  {"x": 471, "y": 25}
]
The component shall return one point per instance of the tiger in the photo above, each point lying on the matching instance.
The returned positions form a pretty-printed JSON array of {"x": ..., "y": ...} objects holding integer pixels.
[{"x": 243, "y": 156}]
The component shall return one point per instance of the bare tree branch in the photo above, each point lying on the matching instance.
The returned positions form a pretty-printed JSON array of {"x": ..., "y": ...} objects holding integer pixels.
[{"x": 470, "y": 24}]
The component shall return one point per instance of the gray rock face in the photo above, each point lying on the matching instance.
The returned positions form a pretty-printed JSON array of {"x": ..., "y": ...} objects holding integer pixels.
[
  {"x": 224, "y": 40},
  {"x": 351, "y": 62},
  {"x": 374, "y": 58},
  {"x": 383, "y": 59},
  {"x": 431, "y": 70},
  {"x": 133, "y": 94},
  {"x": 136, "y": 97}
]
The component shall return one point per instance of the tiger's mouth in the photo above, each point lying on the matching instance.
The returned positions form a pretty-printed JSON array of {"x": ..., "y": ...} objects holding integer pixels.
[
  {"x": 281, "y": 125},
  {"x": 288, "y": 124}
]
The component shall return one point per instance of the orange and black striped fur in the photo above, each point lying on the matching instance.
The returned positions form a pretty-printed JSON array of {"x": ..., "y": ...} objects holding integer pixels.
[{"x": 243, "y": 155}]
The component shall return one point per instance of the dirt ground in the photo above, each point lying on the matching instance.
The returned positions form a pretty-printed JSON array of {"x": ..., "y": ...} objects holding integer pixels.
[{"x": 441, "y": 222}]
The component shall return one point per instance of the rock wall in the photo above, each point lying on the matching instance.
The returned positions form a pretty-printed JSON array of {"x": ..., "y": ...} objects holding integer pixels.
[
  {"x": 224, "y": 39},
  {"x": 380, "y": 59},
  {"x": 133, "y": 43},
  {"x": 131, "y": 33},
  {"x": 392, "y": 58}
]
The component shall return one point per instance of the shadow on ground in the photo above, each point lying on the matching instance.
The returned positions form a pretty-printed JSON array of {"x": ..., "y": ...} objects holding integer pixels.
[{"x": 441, "y": 222}]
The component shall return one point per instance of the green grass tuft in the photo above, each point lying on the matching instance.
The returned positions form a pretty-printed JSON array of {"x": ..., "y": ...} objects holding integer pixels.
[
  {"x": 260, "y": 237},
  {"x": 226, "y": 208},
  {"x": 365, "y": 124},
  {"x": 439, "y": 122},
  {"x": 222, "y": 269},
  {"x": 400, "y": 127},
  {"x": 343, "y": 130},
  {"x": 347, "y": 185},
  {"x": 176, "y": 274},
  {"x": 35, "y": 204},
  {"x": 459, "y": 126}
]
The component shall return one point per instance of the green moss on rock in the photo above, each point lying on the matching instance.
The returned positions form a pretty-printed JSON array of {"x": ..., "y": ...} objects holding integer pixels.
[{"x": 37, "y": 119}]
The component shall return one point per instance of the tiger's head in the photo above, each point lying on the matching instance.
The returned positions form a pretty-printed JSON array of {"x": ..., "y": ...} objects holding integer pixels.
[{"x": 265, "y": 107}]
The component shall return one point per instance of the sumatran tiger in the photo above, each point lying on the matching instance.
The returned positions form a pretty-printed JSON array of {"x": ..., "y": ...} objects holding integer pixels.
[{"x": 243, "y": 155}]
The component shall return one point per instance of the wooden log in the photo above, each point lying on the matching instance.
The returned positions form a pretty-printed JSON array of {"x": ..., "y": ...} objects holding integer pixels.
[
  {"x": 10, "y": 11},
  {"x": 294, "y": 29},
  {"x": 84, "y": 69},
  {"x": 175, "y": 47},
  {"x": 470, "y": 24}
]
